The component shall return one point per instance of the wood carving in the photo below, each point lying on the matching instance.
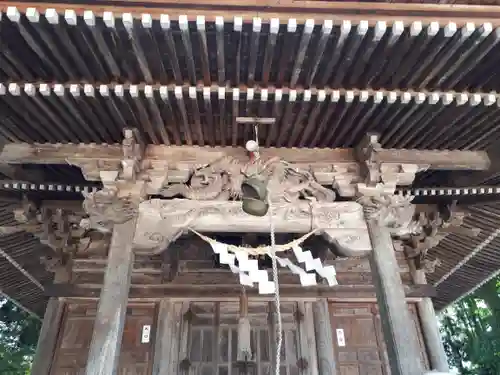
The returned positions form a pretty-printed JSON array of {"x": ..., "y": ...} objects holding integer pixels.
[
  {"x": 57, "y": 228},
  {"x": 160, "y": 166},
  {"x": 106, "y": 208},
  {"x": 435, "y": 224},
  {"x": 162, "y": 221},
  {"x": 133, "y": 150},
  {"x": 380, "y": 175},
  {"x": 393, "y": 211},
  {"x": 222, "y": 179},
  {"x": 123, "y": 188}
]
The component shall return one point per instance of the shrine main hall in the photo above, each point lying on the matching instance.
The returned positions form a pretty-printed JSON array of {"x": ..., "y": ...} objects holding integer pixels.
[{"x": 258, "y": 188}]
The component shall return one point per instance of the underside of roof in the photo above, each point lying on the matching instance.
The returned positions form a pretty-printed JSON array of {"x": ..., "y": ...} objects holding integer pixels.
[{"x": 328, "y": 78}]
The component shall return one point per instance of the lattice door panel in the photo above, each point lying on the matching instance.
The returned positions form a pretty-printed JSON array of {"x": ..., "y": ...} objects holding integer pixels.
[{"x": 213, "y": 342}]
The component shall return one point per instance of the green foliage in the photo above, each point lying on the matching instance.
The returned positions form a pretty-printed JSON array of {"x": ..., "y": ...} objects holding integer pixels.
[
  {"x": 471, "y": 332},
  {"x": 18, "y": 338}
]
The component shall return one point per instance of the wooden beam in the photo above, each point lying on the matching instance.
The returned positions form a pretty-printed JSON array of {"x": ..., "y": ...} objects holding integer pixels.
[
  {"x": 301, "y": 10},
  {"x": 402, "y": 346},
  {"x": 481, "y": 177},
  {"x": 110, "y": 319},
  {"x": 24, "y": 153},
  {"x": 232, "y": 291},
  {"x": 47, "y": 340}
]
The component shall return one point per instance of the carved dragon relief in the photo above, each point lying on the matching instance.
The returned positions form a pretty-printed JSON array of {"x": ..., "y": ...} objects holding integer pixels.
[
  {"x": 396, "y": 212},
  {"x": 105, "y": 208},
  {"x": 222, "y": 180}
]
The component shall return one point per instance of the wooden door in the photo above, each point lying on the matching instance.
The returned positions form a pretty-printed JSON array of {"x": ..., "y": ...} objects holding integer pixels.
[
  {"x": 358, "y": 339},
  {"x": 213, "y": 339},
  {"x": 76, "y": 334}
]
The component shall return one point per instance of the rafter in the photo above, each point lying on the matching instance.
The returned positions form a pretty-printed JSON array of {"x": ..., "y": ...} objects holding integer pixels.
[{"x": 301, "y": 10}]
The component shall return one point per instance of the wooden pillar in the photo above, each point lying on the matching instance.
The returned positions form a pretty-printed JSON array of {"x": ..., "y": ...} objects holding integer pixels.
[
  {"x": 307, "y": 340},
  {"x": 402, "y": 344},
  {"x": 47, "y": 340},
  {"x": 110, "y": 319},
  {"x": 166, "y": 357},
  {"x": 428, "y": 320},
  {"x": 185, "y": 317},
  {"x": 324, "y": 338}
]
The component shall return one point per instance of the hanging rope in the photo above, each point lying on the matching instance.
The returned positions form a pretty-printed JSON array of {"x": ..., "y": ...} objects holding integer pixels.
[
  {"x": 276, "y": 289},
  {"x": 259, "y": 250}
]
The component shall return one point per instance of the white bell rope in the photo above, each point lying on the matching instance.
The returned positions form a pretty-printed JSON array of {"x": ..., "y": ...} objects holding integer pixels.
[{"x": 277, "y": 302}]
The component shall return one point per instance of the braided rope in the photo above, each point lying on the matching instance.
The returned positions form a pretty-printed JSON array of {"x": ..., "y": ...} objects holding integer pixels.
[
  {"x": 276, "y": 289},
  {"x": 259, "y": 250}
]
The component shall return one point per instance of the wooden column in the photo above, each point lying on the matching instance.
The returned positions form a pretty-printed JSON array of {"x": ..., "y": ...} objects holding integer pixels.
[
  {"x": 402, "y": 344},
  {"x": 108, "y": 327},
  {"x": 47, "y": 340},
  {"x": 166, "y": 357},
  {"x": 307, "y": 341},
  {"x": 428, "y": 319},
  {"x": 324, "y": 338}
]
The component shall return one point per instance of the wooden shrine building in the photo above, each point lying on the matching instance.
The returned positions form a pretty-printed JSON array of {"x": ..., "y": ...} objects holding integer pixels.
[{"x": 162, "y": 162}]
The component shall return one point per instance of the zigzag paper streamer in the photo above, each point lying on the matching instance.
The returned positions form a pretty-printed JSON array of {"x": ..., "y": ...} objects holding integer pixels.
[
  {"x": 248, "y": 269},
  {"x": 249, "y": 272},
  {"x": 315, "y": 264}
]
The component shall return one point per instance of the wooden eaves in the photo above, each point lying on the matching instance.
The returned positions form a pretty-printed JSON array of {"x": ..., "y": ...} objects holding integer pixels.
[{"x": 301, "y": 10}]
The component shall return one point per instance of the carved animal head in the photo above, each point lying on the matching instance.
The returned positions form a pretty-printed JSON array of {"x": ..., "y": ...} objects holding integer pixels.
[{"x": 394, "y": 211}]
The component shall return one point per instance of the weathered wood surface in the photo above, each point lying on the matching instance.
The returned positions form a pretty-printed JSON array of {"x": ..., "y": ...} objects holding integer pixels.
[
  {"x": 324, "y": 338},
  {"x": 15, "y": 153},
  {"x": 155, "y": 292},
  {"x": 402, "y": 345},
  {"x": 76, "y": 332},
  {"x": 160, "y": 222},
  {"x": 428, "y": 320},
  {"x": 47, "y": 340},
  {"x": 210, "y": 276},
  {"x": 167, "y": 338},
  {"x": 213, "y": 339},
  {"x": 299, "y": 9},
  {"x": 363, "y": 351},
  {"x": 307, "y": 339},
  {"x": 110, "y": 319}
]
